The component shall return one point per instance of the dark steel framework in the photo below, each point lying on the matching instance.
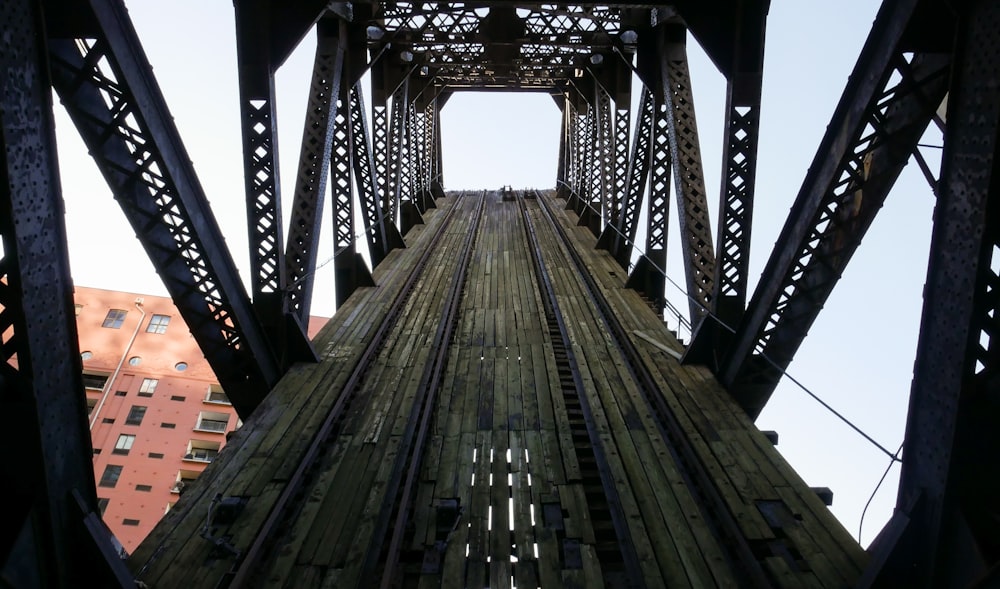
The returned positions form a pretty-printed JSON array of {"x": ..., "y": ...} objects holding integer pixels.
[{"x": 389, "y": 173}]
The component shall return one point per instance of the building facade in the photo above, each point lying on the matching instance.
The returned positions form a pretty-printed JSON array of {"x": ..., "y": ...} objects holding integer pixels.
[{"x": 157, "y": 414}]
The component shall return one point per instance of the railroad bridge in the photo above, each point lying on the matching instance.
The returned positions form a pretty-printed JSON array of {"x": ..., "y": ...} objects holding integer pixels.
[{"x": 497, "y": 401}]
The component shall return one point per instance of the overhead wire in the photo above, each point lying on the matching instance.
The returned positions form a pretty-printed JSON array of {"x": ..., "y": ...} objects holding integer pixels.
[{"x": 861, "y": 523}]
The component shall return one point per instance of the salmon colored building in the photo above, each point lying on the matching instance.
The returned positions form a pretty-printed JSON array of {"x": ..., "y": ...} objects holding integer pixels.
[{"x": 157, "y": 414}]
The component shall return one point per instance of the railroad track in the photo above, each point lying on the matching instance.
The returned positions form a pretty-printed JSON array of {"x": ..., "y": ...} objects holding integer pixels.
[
  {"x": 615, "y": 550},
  {"x": 713, "y": 507},
  {"x": 399, "y": 499},
  {"x": 489, "y": 417},
  {"x": 257, "y": 557}
]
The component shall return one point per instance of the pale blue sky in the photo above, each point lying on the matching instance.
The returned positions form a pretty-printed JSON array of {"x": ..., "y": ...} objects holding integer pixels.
[{"x": 859, "y": 354}]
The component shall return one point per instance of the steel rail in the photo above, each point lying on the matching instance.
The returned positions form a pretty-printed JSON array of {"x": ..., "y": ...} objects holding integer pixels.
[
  {"x": 242, "y": 575},
  {"x": 633, "y": 569},
  {"x": 422, "y": 410},
  {"x": 714, "y": 510}
]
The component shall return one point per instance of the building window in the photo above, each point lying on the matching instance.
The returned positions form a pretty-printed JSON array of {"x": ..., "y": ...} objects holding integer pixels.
[
  {"x": 158, "y": 324},
  {"x": 78, "y": 307},
  {"x": 216, "y": 395},
  {"x": 86, "y": 355},
  {"x": 181, "y": 366},
  {"x": 148, "y": 387},
  {"x": 155, "y": 455},
  {"x": 177, "y": 398},
  {"x": 144, "y": 488},
  {"x": 91, "y": 403},
  {"x": 184, "y": 479},
  {"x": 168, "y": 425},
  {"x": 202, "y": 451},
  {"x": 130, "y": 522},
  {"x": 97, "y": 451},
  {"x": 211, "y": 421},
  {"x": 102, "y": 504},
  {"x": 120, "y": 393},
  {"x": 110, "y": 476},
  {"x": 135, "y": 415},
  {"x": 124, "y": 444},
  {"x": 134, "y": 361},
  {"x": 94, "y": 381},
  {"x": 108, "y": 420},
  {"x": 115, "y": 318}
]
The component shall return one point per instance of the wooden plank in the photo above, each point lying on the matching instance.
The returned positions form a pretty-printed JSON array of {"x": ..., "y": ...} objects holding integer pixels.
[
  {"x": 499, "y": 532},
  {"x": 478, "y": 512}
]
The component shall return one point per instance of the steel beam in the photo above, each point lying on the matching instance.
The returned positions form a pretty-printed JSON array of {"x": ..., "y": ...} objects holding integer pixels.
[
  {"x": 579, "y": 173},
  {"x": 260, "y": 156},
  {"x": 739, "y": 169},
  {"x": 48, "y": 481},
  {"x": 418, "y": 166},
  {"x": 301, "y": 250},
  {"x": 739, "y": 163},
  {"x": 591, "y": 170},
  {"x": 874, "y": 130},
  {"x": 350, "y": 270},
  {"x": 380, "y": 232},
  {"x": 109, "y": 91},
  {"x": 433, "y": 122},
  {"x": 562, "y": 165},
  {"x": 620, "y": 235},
  {"x": 380, "y": 158},
  {"x": 397, "y": 161},
  {"x": 950, "y": 481},
  {"x": 648, "y": 275},
  {"x": 689, "y": 179},
  {"x": 601, "y": 163},
  {"x": 623, "y": 122},
  {"x": 410, "y": 213},
  {"x": 258, "y": 120},
  {"x": 437, "y": 179}
]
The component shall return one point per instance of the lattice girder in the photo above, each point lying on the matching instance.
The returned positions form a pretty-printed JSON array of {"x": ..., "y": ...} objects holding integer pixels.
[
  {"x": 855, "y": 167},
  {"x": 689, "y": 180},
  {"x": 122, "y": 117},
  {"x": 301, "y": 250}
]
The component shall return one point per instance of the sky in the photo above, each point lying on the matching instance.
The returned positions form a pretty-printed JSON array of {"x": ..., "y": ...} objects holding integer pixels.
[{"x": 859, "y": 354}]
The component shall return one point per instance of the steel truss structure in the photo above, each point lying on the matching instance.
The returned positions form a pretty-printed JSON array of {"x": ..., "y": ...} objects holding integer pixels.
[{"x": 384, "y": 168}]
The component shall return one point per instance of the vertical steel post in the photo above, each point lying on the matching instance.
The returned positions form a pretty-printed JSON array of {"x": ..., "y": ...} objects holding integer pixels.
[
  {"x": 689, "y": 182},
  {"x": 258, "y": 121},
  {"x": 350, "y": 270},
  {"x": 380, "y": 232},
  {"x": 950, "y": 480},
  {"x": 314, "y": 159},
  {"x": 48, "y": 480}
]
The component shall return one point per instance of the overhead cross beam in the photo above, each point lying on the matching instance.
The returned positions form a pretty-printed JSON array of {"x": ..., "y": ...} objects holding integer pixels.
[
  {"x": 108, "y": 89},
  {"x": 875, "y": 128}
]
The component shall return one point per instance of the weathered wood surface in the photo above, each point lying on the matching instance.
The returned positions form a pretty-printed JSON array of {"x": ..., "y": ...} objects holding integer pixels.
[{"x": 502, "y": 499}]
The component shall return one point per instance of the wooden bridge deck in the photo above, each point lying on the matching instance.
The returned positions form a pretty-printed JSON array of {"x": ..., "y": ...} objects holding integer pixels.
[{"x": 506, "y": 493}]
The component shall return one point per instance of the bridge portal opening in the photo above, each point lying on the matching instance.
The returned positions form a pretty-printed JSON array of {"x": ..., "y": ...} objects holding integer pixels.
[{"x": 493, "y": 139}]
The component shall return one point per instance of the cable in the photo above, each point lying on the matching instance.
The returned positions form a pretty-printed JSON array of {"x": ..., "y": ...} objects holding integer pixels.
[
  {"x": 722, "y": 323},
  {"x": 861, "y": 523}
]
